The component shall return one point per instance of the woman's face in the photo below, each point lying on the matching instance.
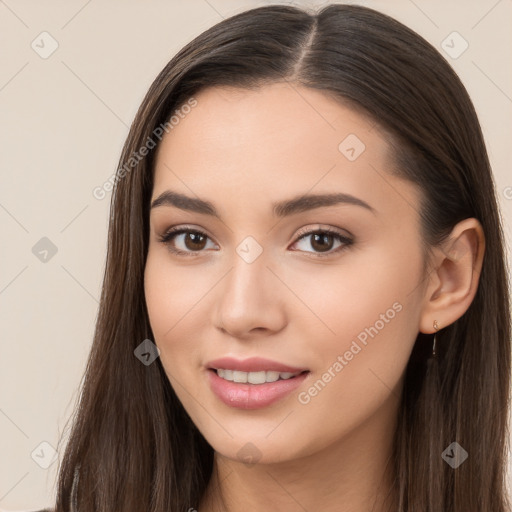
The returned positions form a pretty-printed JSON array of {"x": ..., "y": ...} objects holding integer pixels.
[{"x": 255, "y": 281}]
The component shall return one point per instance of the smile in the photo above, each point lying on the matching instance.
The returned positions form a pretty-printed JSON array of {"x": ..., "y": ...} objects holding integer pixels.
[
  {"x": 250, "y": 391},
  {"x": 254, "y": 377}
]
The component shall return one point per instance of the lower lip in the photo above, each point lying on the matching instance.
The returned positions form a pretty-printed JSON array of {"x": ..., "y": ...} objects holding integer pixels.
[{"x": 252, "y": 396}]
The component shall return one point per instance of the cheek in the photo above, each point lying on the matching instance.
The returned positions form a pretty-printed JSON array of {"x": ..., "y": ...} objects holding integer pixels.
[
  {"x": 171, "y": 299},
  {"x": 173, "y": 293},
  {"x": 372, "y": 313},
  {"x": 369, "y": 295},
  {"x": 358, "y": 380}
]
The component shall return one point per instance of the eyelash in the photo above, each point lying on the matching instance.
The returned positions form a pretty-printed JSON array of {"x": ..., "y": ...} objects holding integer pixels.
[{"x": 171, "y": 233}]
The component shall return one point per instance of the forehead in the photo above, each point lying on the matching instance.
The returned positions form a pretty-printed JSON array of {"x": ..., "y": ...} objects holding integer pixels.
[
  {"x": 279, "y": 113},
  {"x": 259, "y": 146}
]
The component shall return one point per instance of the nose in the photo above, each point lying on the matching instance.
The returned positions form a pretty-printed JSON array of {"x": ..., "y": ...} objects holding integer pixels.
[{"x": 250, "y": 300}]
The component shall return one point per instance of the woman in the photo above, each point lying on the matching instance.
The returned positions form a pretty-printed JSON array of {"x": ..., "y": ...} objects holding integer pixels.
[{"x": 305, "y": 303}]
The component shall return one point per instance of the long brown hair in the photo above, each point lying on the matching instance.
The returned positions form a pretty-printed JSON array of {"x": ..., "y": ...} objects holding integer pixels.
[{"x": 132, "y": 446}]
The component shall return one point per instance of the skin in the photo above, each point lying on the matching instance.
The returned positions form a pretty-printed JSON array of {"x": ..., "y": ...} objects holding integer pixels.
[{"x": 242, "y": 150}]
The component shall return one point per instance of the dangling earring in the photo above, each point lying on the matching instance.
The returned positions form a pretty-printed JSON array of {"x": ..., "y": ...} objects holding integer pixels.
[{"x": 436, "y": 327}]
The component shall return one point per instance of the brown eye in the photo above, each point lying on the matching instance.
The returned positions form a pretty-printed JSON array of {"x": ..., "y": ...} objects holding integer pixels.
[
  {"x": 194, "y": 241},
  {"x": 189, "y": 241},
  {"x": 322, "y": 241}
]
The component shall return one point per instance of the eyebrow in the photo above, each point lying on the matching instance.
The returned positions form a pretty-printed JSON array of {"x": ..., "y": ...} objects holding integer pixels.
[{"x": 280, "y": 209}]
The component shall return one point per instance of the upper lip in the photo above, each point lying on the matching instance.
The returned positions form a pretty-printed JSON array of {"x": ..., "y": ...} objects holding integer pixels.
[{"x": 252, "y": 364}]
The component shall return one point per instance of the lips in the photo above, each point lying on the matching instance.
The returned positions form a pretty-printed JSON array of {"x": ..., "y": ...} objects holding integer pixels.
[
  {"x": 252, "y": 364},
  {"x": 253, "y": 396}
]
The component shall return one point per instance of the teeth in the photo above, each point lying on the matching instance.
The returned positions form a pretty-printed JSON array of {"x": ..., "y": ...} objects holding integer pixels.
[{"x": 254, "y": 377}]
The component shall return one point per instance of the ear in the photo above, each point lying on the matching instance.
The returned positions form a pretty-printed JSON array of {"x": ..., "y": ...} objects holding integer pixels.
[{"x": 453, "y": 278}]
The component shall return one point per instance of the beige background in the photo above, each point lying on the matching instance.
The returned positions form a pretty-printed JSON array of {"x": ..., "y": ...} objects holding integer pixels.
[{"x": 64, "y": 119}]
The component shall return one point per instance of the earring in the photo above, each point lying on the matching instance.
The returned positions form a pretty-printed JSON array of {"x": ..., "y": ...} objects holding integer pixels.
[{"x": 436, "y": 327}]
